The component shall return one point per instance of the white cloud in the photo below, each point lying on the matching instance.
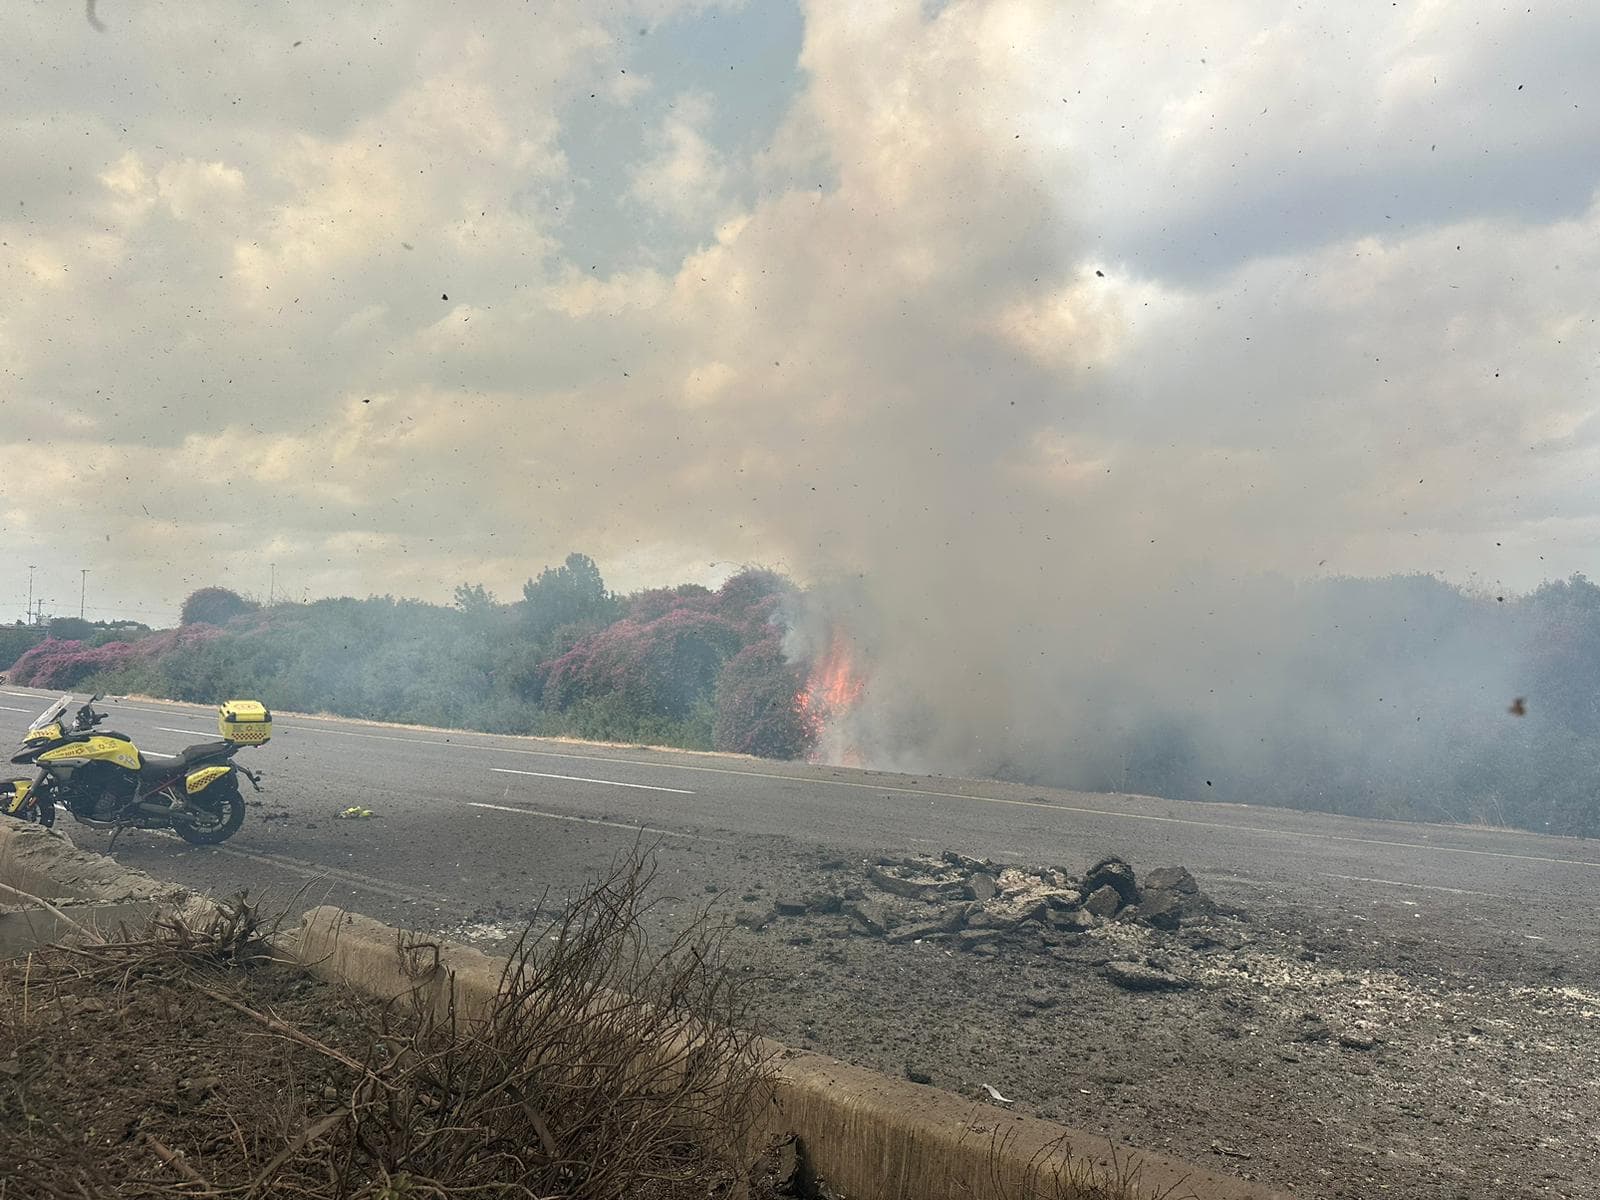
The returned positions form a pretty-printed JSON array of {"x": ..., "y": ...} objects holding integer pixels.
[
  {"x": 686, "y": 177},
  {"x": 896, "y": 353}
]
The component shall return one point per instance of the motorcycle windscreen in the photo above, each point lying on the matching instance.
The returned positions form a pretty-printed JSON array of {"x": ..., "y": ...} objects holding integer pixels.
[{"x": 51, "y": 715}]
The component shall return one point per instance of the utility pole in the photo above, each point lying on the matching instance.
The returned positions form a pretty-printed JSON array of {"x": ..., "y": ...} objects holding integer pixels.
[
  {"x": 83, "y": 589},
  {"x": 272, "y": 585},
  {"x": 30, "y": 593}
]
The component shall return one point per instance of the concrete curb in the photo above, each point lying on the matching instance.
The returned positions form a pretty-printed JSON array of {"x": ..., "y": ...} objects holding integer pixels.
[
  {"x": 871, "y": 1136},
  {"x": 46, "y": 864},
  {"x": 89, "y": 889}
]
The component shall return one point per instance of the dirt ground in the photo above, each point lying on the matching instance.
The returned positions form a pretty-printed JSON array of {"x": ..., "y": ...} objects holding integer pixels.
[
  {"x": 127, "y": 1072},
  {"x": 94, "y": 1070},
  {"x": 1433, "y": 1048}
]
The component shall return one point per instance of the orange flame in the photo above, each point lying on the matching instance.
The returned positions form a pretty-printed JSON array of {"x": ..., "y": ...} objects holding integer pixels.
[{"x": 833, "y": 688}]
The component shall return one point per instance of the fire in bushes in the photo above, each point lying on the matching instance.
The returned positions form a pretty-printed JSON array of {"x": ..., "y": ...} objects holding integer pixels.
[
  {"x": 673, "y": 652},
  {"x": 834, "y": 686}
]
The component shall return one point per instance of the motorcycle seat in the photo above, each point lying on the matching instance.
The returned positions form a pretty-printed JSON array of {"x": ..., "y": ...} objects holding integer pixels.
[{"x": 189, "y": 754}]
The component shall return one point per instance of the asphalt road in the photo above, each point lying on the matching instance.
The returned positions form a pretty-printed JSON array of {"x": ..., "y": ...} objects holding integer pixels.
[
  {"x": 1473, "y": 956},
  {"x": 463, "y": 820}
]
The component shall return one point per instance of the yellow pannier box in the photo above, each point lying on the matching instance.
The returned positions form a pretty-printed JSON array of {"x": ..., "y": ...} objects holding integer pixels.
[{"x": 244, "y": 721}]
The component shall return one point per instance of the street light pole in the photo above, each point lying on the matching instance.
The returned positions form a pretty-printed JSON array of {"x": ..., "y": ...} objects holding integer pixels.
[
  {"x": 30, "y": 593},
  {"x": 83, "y": 589}
]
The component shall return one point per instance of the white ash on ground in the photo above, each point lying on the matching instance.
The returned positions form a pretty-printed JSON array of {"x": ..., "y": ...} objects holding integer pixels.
[{"x": 982, "y": 907}]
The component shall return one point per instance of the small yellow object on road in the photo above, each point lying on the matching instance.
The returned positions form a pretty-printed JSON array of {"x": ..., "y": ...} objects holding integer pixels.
[{"x": 355, "y": 813}]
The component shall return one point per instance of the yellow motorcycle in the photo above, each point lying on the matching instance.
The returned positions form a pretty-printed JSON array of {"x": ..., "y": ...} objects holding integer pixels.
[{"x": 106, "y": 782}]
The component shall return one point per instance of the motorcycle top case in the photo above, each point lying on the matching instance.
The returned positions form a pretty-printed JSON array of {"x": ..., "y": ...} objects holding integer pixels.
[{"x": 246, "y": 722}]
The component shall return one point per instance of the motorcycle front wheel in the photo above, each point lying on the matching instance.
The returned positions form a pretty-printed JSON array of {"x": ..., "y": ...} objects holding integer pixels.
[
  {"x": 218, "y": 819},
  {"x": 39, "y": 809}
]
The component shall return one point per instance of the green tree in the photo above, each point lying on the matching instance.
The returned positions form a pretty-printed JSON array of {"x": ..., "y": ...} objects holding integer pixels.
[
  {"x": 71, "y": 629},
  {"x": 17, "y": 640},
  {"x": 570, "y": 594},
  {"x": 473, "y": 598},
  {"x": 215, "y": 606}
]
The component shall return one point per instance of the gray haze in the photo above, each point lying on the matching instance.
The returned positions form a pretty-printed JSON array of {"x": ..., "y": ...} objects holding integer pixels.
[{"x": 1047, "y": 327}]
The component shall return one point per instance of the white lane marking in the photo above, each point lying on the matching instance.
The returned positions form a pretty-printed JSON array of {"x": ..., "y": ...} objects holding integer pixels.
[
  {"x": 8, "y": 708},
  {"x": 190, "y": 732},
  {"x": 535, "y": 812},
  {"x": 644, "y": 787},
  {"x": 1426, "y": 887},
  {"x": 20, "y": 695},
  {"x": 1064, "y": 808}
]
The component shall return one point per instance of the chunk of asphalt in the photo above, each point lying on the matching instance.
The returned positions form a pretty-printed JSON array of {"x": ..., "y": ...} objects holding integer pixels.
[
  {"x": 949, "y": 922},
  {"x": 912, "y": 889},
  {"x": 1114, "y": 873},
  {"x": 1172, "y": 879},
  {"x": 969, "y": 865},
  {"x": 1103, "y": 901},
  {"x": 981, "y": 886},
  {"x": 870, "y": 915},
  {"x": 1070, "y": 920},
  {"x": 757, "y": 920},
  {"x": 1160, "y": 909},
  {"x": 1136, "y": 977}
]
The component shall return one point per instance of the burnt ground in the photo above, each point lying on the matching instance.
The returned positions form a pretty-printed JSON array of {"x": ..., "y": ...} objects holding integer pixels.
[
  {"x": 1380, "y": 1046},
  {"x": 1471, "y": 957}
]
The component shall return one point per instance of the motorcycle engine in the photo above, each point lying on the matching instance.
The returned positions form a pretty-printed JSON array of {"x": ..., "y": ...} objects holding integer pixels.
[{"x": 100, "y": 791}]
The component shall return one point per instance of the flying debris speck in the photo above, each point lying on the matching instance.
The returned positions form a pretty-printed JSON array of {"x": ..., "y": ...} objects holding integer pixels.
[{"x": 1519, "y": 707}]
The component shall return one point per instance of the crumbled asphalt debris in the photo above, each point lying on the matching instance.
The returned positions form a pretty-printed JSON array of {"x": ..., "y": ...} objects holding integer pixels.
[{"x": 980, "y": 907}]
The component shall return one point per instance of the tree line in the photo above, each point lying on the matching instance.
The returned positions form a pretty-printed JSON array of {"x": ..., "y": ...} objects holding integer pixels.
[{"x": 1404, "y": 697}]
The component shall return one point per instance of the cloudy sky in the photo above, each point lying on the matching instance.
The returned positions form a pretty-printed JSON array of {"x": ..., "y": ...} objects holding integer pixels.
[{"x": 1053, "y": 294}]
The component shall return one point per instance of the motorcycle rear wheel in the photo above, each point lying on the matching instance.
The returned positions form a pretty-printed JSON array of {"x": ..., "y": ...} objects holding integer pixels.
[{"x": 227, "y": 811}]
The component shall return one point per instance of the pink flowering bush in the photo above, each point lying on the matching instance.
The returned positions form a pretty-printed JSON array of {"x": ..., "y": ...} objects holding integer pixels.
[
  {"x": 757, "y": 704},
  {"x": 63, "y": 664},
  {"x": 664, "y": 667},
  {"x": 664, "y": 658}
]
